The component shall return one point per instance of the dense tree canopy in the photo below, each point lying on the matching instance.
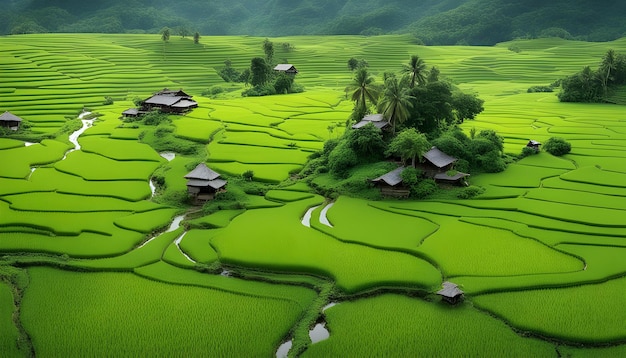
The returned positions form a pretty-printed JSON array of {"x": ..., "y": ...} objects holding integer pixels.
[
  {"x": 409, "y": 144},
  {"x": 478, "y": 22},
  {"x": 595, "y": 86}
]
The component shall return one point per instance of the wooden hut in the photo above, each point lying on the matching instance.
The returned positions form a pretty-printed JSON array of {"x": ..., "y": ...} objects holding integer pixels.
[
  {"x": 376, "y": 119},
  {"x": 286, "y": 68},
  {"x": 440, "y": 167},
  {"x": 169, "y": 101},
  {"x": 10, "y": 121},
  {"x": 451, "y": 293},
  {"x": 534, "y": 145},
  {"x": 131, "y": 112},
  {"x": 391, "y": 184},
  {"x": 203, "y": 183}
]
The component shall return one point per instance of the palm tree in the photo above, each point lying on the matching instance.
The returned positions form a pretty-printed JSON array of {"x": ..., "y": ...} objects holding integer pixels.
[
  {"x": 609, "y": 63},
  {"x": 364, "y": 89},
  {"x": 416, "y": 70},
  {"x": 395, "y": 102}
]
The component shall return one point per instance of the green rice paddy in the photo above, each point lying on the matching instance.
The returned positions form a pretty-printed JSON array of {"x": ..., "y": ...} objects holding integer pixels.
[{"x": 540, "y": 254}]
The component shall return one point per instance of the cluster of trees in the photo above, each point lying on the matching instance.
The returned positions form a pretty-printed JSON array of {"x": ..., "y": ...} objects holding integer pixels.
[
  {"x": 416, "y": 98},
  {"x": 595, "y": 85},
  {"x": 422, "y": 110},
  {"x": 264, "y": 80},
  {"x": 475, "y": 22}
]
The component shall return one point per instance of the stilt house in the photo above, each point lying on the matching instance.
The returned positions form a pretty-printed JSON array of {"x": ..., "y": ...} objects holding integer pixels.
[{"x": 203, "y": 183}]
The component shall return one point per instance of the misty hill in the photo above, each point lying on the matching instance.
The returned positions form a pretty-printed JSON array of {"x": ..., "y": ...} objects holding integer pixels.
[{"x": 476, "y": 22}]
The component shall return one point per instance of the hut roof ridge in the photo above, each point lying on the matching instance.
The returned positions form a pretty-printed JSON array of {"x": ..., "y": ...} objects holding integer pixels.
[
  {"x": 8, "y": 116},
  {"x": 439, "y": 158},
  {"x": 202, "y": 172},
  {"x": 392, "y": 178}
]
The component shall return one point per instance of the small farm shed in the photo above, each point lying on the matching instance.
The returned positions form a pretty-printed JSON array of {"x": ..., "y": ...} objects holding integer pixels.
[
  {"x": 286, "y": 68},
  {"x": 390, "y": 184},
  {"x": 169, "y": 101},
  {"x": 10, "y": 120},
  {"x": 451, "y": 293},
  {"x": 132, "y": 112},
  {"x": 203, "y": 183},
  {"x": 533, "y": 144},
  {"x": 440, "y": 167},
  {"x": 376, "y": 119}
]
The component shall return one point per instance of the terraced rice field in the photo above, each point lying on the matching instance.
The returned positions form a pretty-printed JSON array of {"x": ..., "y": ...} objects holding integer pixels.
[{"x": 97, "y": 265}]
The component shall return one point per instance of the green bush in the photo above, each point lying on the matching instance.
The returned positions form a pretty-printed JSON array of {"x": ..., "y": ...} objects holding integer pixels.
[
  {"x": 527, "y": 151},
  {"x": 314, "y": 166},
  {"x": 213, "y": 91},
  {"x": 283, "y": 83},
  {"x": 155, "y": 118},
  {"x": 535, "y": 89},
  {"x": 108, "y": 101},
  {"x": 557, "y": 146},
  {"x": 410, "y": 176},
  {"x": 470, "y": 192},
  {"x": 258, "y": 91},
  {"x": 462, "y": 165},
  {"x": 492, "y": 162},
  {"x": 367, "y": 142},
  {"x": 341, "y": 159},
  {"x": 423, "y": 189},
  {"x": 247, "y": 175}
]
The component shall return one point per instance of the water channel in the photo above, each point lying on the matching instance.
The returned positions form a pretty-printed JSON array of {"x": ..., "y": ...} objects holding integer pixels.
[
  {"x": 306, "y": 219},
  {"x": 323, "y": 217}
]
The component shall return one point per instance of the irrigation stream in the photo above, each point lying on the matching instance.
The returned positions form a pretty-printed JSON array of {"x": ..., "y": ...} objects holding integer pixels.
[
  {"x": 319, "y": 333},
  {"x": 74, "y": 136},
  {"x": 169, "y": 156},
  {"x": 323, "y": 217},
  {"x": 173, "y": 226},
  {"x": 283, "y": 350},
  {"x": 306, "y": 219}
]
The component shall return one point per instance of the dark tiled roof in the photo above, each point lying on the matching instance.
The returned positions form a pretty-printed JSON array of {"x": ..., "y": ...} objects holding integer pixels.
[
  {"x": 363, "y": 123},
  {"x": 533, "y": 142},
  {"x": 169, "y": 92},
  {"x": 215, "y": 184},
  {"x": 450, "y": 290},
  {"x": 392, "y": 178},
  {"x": 202, "y": 172},
  {"x": 9, "y": 117},
  {"x": 185, "y": 103},
  {"x": 439, "y": 158},
  {"x": 164, "y": 100},
  {"x": 376, "y": 119},
  {"x": 131, "y": 112}
]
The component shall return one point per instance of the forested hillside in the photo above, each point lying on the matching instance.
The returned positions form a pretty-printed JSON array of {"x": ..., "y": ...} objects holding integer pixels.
[{"x": 476, "y": 22}]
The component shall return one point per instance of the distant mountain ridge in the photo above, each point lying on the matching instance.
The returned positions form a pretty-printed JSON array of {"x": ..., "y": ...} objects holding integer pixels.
[{"x": 475, "y": 22}]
